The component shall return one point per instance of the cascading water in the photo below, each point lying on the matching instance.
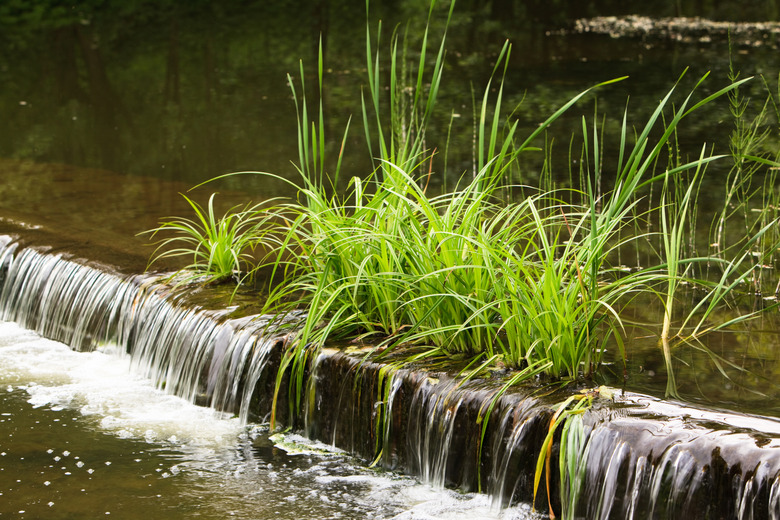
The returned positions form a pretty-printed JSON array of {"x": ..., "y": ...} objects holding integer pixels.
[
  {"x": 686, "y": 463},
  {"x": 59, "y": 299},
  {"x": 641, "y": 458},
  {"x": 200, "y": 355},
  {"x": 432, "y": 427},
  {"x": 516, "y": 445}
]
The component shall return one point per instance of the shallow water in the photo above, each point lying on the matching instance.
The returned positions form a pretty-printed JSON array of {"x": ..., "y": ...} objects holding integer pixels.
[{"x": 83, "y": 437}]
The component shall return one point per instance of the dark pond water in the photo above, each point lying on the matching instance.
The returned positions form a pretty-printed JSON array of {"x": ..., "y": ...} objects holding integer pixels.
[{"x": 185, "y": 92}]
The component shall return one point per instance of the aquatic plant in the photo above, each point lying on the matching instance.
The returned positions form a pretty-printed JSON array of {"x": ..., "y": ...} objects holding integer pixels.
[
  {"x": 572, "y": 459},
  {"x": 572, "y": 455},
  {"x": 471, "y": 275},
  {"x": 467, "y": 275},
  {"x": 741, "y": 262},
  {"x": 219, "y": 248}
]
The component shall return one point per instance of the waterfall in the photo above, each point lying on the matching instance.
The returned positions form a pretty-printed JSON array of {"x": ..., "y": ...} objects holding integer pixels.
[
  {"x": 515, "y": 445},
  {"x": 686, "y": 463},
  {"x": 204, "y": 356},
  {"x": 58, "y": 299},
  {"x": 638, "y": 457},
  {"x": 432, "y": 424},
  {"x": 429, "y": 425}
]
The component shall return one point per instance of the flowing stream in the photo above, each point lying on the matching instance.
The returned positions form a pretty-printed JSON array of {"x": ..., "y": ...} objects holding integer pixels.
[
  {"x": 86, "y": 435},
  {"x": 104, "y": 418},
  {"x": 120, "y": 397}
]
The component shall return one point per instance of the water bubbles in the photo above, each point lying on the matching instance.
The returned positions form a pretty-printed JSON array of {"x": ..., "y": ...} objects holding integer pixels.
[{"x": 286, "y": 482}]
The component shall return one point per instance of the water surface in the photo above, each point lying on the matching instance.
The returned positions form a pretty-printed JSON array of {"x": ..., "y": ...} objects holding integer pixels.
[{"x": 85, "y": 438}]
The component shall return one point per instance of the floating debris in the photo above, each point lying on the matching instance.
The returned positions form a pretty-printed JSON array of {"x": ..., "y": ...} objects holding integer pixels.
[{"x": 681, "y": 29}]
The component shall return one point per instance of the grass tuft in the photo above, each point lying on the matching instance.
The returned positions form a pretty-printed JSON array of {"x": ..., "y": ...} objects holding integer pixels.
[{"x": 218, "y": 247}]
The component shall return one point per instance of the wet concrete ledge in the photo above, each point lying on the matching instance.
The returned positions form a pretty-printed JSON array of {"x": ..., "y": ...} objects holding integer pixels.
[{"x": 646, "y": 458}]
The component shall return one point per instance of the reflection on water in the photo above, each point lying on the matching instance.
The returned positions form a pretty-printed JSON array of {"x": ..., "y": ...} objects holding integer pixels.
[
  {"x": 83, "y": 438},
  {"x": 189, "y": 91},
  {"x": 97, "y": 206},
  {"x": 97, "y": 214}
]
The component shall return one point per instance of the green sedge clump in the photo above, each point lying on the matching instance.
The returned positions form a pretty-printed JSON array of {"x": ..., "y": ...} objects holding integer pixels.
[{"x": 217, "y": 248}]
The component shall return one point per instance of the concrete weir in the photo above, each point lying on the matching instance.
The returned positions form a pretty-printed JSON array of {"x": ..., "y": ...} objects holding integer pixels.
[{"x": 635, "y": 456}]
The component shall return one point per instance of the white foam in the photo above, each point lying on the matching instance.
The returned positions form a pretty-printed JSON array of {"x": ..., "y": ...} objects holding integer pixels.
[
  {"x": 101, "y": 385},
  {"x": 423, "y": 502}
]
